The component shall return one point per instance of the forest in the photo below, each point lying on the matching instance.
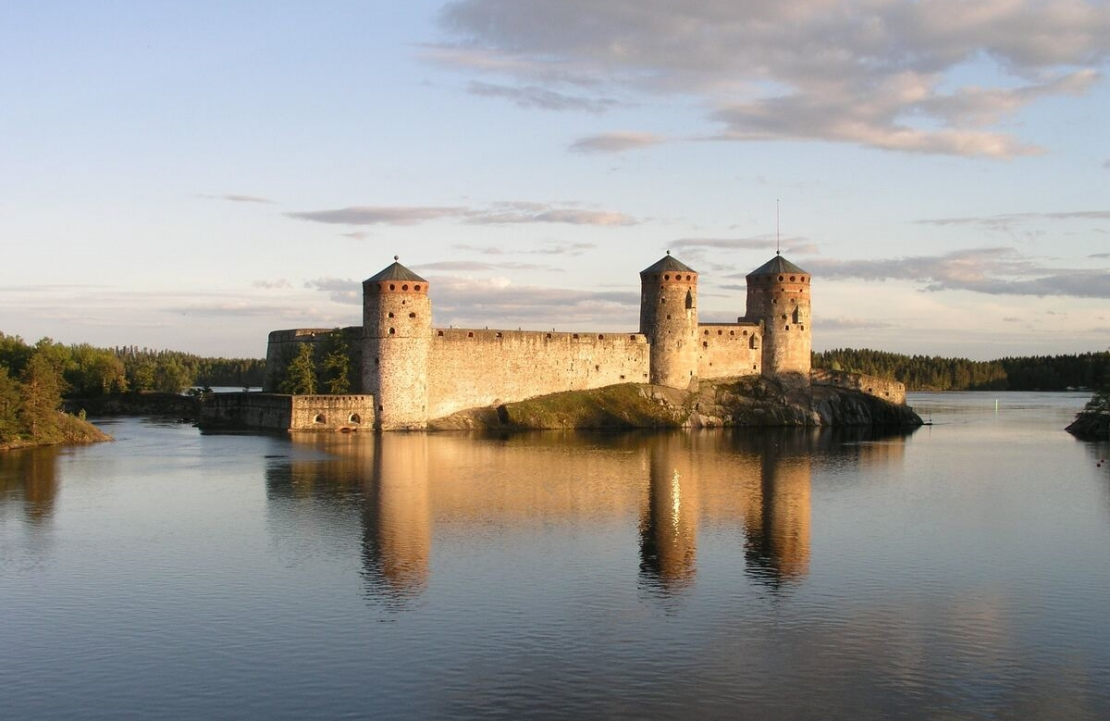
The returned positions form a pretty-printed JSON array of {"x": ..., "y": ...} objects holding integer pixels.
[
  {"x": 35, "y": 378},
  {"x": 936, "y": 373}
]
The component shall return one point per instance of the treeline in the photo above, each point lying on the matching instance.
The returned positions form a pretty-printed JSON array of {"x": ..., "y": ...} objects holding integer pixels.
[
  {"x": 936, "y": 373},
  {"x": 86, "y": 371}
]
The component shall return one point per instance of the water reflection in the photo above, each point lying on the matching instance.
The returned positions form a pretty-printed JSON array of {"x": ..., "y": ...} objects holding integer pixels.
[
  {"x": 669, "y": 519},
  {"x": 395, "y": 493},
  {"x": 29, "y": 482}
]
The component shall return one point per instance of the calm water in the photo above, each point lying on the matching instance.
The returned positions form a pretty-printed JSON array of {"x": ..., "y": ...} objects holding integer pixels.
[{"x": 961, "y": 572}]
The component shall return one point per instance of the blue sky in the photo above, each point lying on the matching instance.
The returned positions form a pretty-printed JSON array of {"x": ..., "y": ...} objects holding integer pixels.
[{"x": 193, "y": 175}]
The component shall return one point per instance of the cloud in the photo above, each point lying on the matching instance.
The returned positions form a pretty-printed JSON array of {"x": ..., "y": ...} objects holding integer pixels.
[
  {"x": 851, "y": 324},
  {"x": 235, "y": 198},
  {"x": 570, "y": 249},
  {"x": 1099, "y": 255},
  {"x": 370, "y": 215},
  {"x": 994, "y": 271},
  {"x": 280, "y": 283},
  {"x": 1008, "y": 220},
  {"x": 532, "y": 96},
  {"x": 357, "y": 235},
  {"x": 339, "y": 290},
  {"x": 505, "y": 212},
  {"x": 495, "y": 301},
  {"x": 1106, "y": 163},
  {"x": 759, "y": 242},
  {"x": 476, "y": 266},
  {"x": 878, "y": 73},
  {"x": 615, "y": 142}
]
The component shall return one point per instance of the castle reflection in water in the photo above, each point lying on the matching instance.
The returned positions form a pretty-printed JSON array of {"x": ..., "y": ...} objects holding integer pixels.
[{"x": 400, "y": 495}]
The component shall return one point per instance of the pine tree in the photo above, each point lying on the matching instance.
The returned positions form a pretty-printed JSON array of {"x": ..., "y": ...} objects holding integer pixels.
[
  {"x": 42, "y": 395},
  {"x": 337, "y": 363},
  {"x": 300, "y": 376}
]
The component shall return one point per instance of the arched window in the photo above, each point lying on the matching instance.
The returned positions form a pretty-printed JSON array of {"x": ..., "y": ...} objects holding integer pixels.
[
  {"x": 689, "y": 299},
  {"x": 320, "y": 418},
  {"x": 355, "y": 418}
]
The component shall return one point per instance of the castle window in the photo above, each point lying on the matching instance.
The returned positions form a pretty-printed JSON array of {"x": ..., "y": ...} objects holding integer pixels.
[
  {"x": 689, "y": 300},
  {"x": 622, "y": 378},
  {"x": 416, "y": 287},
  {"x": 548, "y": 335},
  {"x": 791, "y": 279},
  {"x": 784, "y": 316},
  {"x": 390, "y": 315},
  {"x": 801, "y": 327},
  {"x": 355, "y": 418},
  {"x": 662, "y": 300},
  {"x": 392, "y": 287},
  {"x": 319, "y": 418},
  {"x": 705, "y": 344},
  {"x": 666, "y": 277},
  {"x": 631, "y": 337},
  {"x": 780, "y": 278},
  {"x": 412, "y": 315},
  {"x": 720, "y": 332},
  {"x": 707, "y": 332},
  {"x": 498, "y": 335},
  {"x": 687, "y": 277},
  {"x": 439, "y": 333},
  {"x": 405, "y": 286},
  {"x": 600, "y": 337},
  {"x": 786, "y": 327},
  {"x": 381, "y": 408},
  {"x": 753, "y": 343},
  {"x": 470, "y": 334},
  {"x": 732, "y": 332},
  {"x": 392, "y": 331},
  {"x": 575, "y": 336},
  {"x": 668, "y": 317},
  {"x": 745, "y": 332}
]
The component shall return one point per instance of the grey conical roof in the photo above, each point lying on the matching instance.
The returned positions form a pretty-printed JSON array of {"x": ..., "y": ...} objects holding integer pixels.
[
  {"x": 777, "y": 266},
  {"x": 395, "y": 272},
  {"x": 667, "y": 264}
]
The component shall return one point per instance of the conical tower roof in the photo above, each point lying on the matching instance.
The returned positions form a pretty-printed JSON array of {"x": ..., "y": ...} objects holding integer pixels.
[
  {"x": 395, "y": 272},
  {"x": 667, "y": 264},
  {"x": 777, "y": 266}
]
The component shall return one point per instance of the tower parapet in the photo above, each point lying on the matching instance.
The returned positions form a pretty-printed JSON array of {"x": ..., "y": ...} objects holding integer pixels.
[
  {"x": 779, "y": 297},
  {"x": 669, "y": 320},
  {"x": 397, "y": 338}
]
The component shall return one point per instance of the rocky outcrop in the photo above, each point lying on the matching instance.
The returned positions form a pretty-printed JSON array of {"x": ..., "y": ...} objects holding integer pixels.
[
  {"x": 1091, "y": 426},
  {"x": 748, "y": 401}
]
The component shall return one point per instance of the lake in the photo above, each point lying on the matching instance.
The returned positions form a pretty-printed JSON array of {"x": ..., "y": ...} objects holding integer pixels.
[{"x": 958, "y": 572}]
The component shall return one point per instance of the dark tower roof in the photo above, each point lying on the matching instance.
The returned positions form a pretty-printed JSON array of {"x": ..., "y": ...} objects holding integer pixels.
[
  {"x": 667, "y": 264},
  {"x": 777, "y": 266},
  {"x": 395, "y": 272}
]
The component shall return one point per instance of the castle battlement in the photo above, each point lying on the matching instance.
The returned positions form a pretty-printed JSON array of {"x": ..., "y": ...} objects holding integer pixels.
[{"x": 417, "y": 372}]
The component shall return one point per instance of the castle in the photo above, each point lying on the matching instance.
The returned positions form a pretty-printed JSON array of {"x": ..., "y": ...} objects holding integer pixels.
[{"x": 417, "y": 373}]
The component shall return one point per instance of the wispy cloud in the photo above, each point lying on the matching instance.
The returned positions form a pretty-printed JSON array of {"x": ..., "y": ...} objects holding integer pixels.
[
  {"x": 616, "y": 142},
  {"x": 1009, "y": 220},
  {"x": 532, "y": 96},
  {"x": 339, "y": 290},
  {"x": 501, "y": 213},
  {"x": 841, "y": 323},
  {"x": 758, "y": 242},
  {"x": 550, "y": 248},
  {"x": 994, "y": 271},
  {"x": 476, "y": 266},
  {"x": 236, "y": 198},
  {"x": 879, "y": 74},
  {"x": 280, "y": 283}
]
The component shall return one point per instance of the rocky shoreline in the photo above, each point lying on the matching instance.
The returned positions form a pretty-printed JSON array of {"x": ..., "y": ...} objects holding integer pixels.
[
  {"x": 1091, "y": 426},
  {"x": 743, "y": 402}
]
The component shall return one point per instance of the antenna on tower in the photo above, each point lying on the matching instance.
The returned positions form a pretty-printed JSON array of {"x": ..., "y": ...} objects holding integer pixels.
[{"x": 777, "y": 252}]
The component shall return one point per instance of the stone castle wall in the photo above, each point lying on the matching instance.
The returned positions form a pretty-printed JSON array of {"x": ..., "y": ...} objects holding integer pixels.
[
  {"x": 280, "y": 412},
  {"x": 474, "y": 368},
  {"x": 884, "y": 388},
  {"x": 726, "y": 350}
]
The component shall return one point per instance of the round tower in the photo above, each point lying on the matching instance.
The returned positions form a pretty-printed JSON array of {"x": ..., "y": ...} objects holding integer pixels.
[
  {"x": 669, "y": 319},
  {"x": 397, "y": 340},
  {"x": 778, "y": 297}
]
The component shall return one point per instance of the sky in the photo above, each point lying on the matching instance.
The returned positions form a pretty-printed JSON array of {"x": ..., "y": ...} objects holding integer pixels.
[{"x": 192, "y": 175}]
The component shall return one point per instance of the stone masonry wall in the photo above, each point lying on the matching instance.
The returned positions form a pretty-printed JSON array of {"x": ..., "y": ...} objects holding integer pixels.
[
  {"x": 282, "y": 347},
  {"x": 280, "y": 412},
  {"x": 726, "y": 350},
  {"x": 474, "y": 368},
  {"x": 884, "y": 388}
]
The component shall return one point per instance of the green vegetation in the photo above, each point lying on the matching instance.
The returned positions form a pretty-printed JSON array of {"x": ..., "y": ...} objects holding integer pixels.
[
  {"x": 35, "y": 378},
  {"x": 31, "y": 386},
  {"x": 90, "y": 372},
  {"x": 322, "y": 366},
  {"x": 934, "y": 373},
  {"x": 619, "y": 406}
]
